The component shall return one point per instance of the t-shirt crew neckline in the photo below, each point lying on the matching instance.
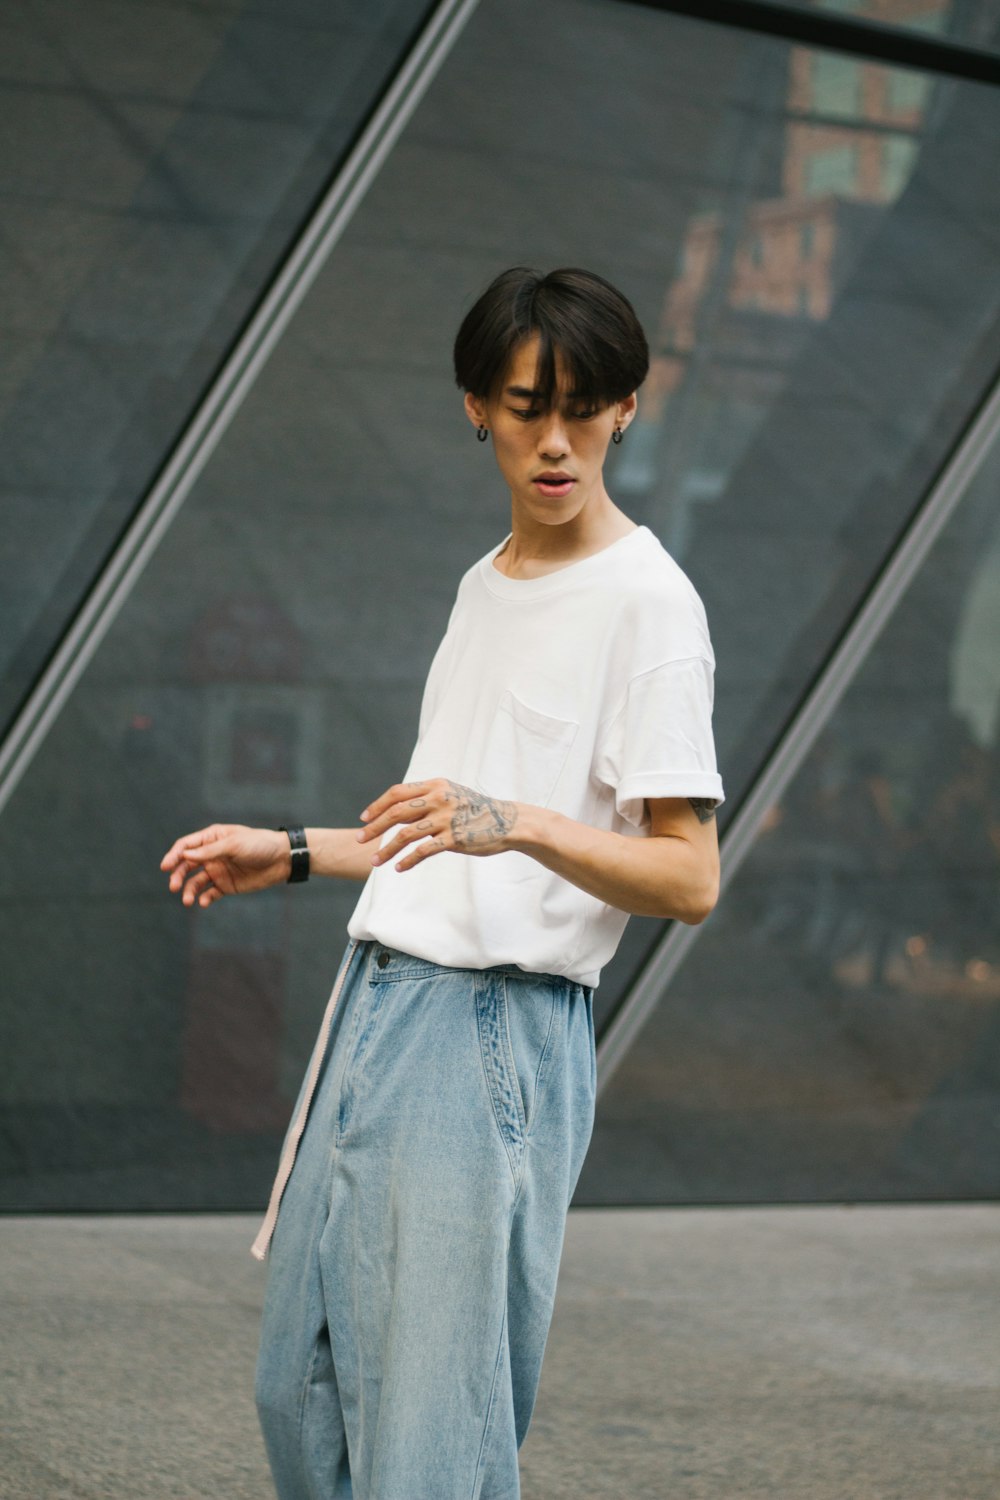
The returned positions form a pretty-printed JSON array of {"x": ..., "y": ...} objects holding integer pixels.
[{"x": 549, "y": 583}]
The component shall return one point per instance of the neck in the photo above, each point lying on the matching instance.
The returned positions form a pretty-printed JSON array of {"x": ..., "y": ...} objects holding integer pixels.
[{"x": 535, "y": 548}]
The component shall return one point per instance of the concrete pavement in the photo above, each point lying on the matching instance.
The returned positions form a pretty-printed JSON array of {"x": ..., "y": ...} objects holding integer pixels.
[{"x": 696, "y": 1354}]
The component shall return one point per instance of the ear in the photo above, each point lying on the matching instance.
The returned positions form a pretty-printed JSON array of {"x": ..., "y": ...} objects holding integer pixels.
[
  {"x": 626, "y": 410},
  {"x": 475, "y": 410}
]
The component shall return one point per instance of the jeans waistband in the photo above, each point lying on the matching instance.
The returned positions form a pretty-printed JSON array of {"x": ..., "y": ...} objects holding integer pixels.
[{"x": 383, "y": 963}]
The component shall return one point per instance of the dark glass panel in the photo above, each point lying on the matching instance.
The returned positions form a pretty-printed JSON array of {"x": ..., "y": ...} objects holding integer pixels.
[
  {"x": 810, "y": 372},
  {"x": 835, "y": 1033},
  {"x": 157, "y": 158},
  {"x": 816, "y": 350}
]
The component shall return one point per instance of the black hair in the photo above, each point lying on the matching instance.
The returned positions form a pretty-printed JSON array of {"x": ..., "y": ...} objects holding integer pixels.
[{"x": 577, "y": 315}]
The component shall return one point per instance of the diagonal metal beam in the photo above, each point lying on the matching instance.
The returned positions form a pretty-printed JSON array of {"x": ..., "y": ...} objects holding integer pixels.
[
  {"x": 858, "y": 36},
  {"x": 909, "y": 555},
  {"x": 228, "y": 391}
]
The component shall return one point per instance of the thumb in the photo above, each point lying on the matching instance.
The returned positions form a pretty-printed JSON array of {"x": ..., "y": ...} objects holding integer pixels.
[{"x": 214, "y": 849}]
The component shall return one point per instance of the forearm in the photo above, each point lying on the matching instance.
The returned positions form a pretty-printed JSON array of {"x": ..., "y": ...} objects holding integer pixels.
[
  {"x": 336, "y": 852},
  {"x": 660, "y": 876}
]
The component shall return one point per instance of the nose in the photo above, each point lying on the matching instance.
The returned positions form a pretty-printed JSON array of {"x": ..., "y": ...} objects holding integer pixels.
[{"x": 553, "y": 437}]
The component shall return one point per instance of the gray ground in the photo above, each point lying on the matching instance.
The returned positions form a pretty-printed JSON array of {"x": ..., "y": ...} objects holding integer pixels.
[{"x": 788, "y": 1352}]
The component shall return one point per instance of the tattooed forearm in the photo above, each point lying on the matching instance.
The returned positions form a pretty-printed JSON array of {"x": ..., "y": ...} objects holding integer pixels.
[
  {"x": 479, "y": 819},
  {"x": 704, "y": 807}
]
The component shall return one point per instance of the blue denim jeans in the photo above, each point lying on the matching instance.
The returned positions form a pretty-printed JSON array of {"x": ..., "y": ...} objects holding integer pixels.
[{"x": 413, "y": 1265}]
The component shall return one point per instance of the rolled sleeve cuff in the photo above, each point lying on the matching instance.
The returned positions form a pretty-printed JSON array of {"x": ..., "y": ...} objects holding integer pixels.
[{"x": 631, "y": 793}]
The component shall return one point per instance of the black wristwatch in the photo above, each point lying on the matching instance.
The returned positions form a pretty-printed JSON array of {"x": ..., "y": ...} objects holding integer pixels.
[{"x": 300, "y": 854}]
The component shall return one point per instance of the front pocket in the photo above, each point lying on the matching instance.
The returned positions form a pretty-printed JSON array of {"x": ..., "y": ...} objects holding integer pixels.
[
  {"x": 525, "y": 752},
  {"x": 494, "y": 1041}
]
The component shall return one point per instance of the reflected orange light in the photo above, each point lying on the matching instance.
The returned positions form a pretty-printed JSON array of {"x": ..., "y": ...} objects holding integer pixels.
[{"x": 979, "y": 969}]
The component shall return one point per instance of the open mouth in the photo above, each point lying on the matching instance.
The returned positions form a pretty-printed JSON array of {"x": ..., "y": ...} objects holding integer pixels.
[{"x": 555, "y": 484}]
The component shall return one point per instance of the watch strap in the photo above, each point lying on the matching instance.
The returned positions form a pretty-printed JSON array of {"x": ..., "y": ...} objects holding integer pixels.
[{"x": 300, "y": 854}]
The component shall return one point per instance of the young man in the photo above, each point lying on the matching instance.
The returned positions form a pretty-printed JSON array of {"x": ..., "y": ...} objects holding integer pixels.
[{"x": 564, "y": 776}]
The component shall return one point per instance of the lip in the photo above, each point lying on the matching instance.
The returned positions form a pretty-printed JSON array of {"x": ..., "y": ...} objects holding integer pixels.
[{"x": 554, "y": 485}]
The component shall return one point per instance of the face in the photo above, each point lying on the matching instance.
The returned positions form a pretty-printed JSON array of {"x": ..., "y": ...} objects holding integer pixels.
[{"x": 552, "y": 460}]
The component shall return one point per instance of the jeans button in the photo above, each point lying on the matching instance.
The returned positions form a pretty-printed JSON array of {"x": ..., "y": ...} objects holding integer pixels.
[{"x": 382, "y": 959}]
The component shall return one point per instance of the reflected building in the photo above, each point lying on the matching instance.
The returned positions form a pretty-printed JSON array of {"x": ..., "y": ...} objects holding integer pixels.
[{"x": 753, "y": 275}]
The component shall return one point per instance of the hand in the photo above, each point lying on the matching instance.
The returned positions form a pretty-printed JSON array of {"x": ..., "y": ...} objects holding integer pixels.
[
  {"x": 442, "y": 815},
  {"x": 226, "y": 859}
]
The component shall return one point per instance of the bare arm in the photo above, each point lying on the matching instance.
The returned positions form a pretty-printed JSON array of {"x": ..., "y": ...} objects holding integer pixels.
[
  {"x": 672, "y": 873},
  {"x": 228, "y": 859},
  {"x": 336, "y": 851}
]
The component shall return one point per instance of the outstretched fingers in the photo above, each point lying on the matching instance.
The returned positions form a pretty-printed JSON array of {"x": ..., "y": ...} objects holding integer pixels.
[
  {"x": 187, "y": 844},
  {"x": 415, "y": 833},
  {"x": 401, "y": 803},
  {"x": 185, "y": 862},
  {"x": 423, "y": 849},
  {"x": 437, "y": 815},
  {"x": 200, "y": 888}
]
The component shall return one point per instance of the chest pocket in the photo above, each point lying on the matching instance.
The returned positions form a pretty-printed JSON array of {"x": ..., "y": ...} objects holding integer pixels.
[{"x": 525, "y": 752}]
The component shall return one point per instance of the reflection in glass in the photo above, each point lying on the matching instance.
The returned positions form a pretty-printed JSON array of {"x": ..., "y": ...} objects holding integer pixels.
[
  {"x": 156, "y": 162},
  {"x": 837, "y": 1034},
  {"x": 811, "y": 373},
  {"x": 753, "y": 275}
]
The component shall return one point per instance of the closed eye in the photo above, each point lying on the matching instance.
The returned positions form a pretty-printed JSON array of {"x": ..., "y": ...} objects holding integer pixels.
[{"x": 528, "y": 414}]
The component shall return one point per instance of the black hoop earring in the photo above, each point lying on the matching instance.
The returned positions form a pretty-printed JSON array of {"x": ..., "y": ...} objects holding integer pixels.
[
  {"x": 616, "y": 436},
  {"x": 482, "y": 433}
]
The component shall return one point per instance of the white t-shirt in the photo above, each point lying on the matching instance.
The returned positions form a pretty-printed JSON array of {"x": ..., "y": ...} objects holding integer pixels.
[{"x": 585, "y": 690}]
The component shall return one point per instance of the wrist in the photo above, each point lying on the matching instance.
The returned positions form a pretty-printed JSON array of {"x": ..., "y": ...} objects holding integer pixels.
[
  {"x": 532, "y": 830},
  {"x": 336, "y": 852},
  {"x": 298, "y": 854}
]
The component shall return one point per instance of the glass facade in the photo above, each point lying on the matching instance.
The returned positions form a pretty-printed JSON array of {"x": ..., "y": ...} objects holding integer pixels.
[
  {"x": 837, "y": 1033},
  {"x": 156, "y": 159},
  {"x": 824, "y": 317}
]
